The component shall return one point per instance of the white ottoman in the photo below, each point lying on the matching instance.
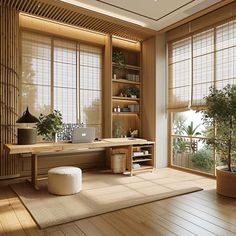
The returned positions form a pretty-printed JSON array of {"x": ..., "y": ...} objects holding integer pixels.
[{"x": 64, "y": 180}]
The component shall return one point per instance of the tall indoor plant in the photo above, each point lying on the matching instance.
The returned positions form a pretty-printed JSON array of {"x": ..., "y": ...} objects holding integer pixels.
[{"x": 220, "y": 119}]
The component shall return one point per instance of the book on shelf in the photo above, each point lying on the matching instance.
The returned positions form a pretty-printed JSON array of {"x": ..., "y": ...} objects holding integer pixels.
[
  {"x": 136, "y": 166},
  {"x": 136, "y": 154}
]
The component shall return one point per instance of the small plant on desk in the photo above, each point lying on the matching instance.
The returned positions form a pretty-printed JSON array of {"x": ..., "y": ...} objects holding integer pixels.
[{"x": 49, "y": 125}]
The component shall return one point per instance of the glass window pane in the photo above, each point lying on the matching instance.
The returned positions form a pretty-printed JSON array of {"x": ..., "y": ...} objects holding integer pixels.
[
  {"x": 189, "y": 142},
  {"x": 90, "y": 87}
]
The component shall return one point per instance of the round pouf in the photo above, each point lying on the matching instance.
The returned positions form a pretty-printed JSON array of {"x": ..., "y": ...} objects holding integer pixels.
[{"x": 64, "y": 180}]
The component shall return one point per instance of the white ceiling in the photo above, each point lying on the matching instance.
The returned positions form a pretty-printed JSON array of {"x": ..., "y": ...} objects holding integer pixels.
[{"x": 153, "y": 14}]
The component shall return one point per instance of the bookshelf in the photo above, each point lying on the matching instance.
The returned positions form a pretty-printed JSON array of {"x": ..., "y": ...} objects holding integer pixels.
[{"x": 126, "y": 92}]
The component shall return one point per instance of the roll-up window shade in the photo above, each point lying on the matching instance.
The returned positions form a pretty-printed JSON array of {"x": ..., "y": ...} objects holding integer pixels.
[
  {"x": 179, "y": 74},
  {"x": 90, "y": 87},
  {"x": 36, "y": 73},
  {"x": 65, "y": 79},
  {"x": 203, "y": 67},
  {"x": 200, "y": 61},
  {"x": 226, "y": 54},
  {"x": 63, "y": 75}
]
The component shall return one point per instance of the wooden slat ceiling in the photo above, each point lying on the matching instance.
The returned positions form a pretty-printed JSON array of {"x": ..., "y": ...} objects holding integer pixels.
[{"x": 76, "y": 16}]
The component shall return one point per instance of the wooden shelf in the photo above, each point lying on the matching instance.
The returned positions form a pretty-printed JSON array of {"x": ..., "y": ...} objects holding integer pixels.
[
  {"x": 144, "y": 155},
  {"x": 125, "y": 81},
  {"x": 125, "y": 113},
  {"x": 143, "y": 167},
  {"x": 125, "y": 98},
  {"x": 141, "y": 160},
  {"x": 129, "y": 67}
]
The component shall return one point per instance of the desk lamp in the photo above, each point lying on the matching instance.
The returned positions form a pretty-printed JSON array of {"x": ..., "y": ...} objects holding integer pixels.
[{"x": 27, "y": 135}]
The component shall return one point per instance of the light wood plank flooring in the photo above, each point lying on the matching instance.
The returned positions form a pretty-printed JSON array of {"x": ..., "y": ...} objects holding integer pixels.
[{"x": 201, "y": 213}]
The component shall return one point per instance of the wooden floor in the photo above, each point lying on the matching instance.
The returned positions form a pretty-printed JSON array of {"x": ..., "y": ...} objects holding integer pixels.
[{"x": 201, "y": 213}]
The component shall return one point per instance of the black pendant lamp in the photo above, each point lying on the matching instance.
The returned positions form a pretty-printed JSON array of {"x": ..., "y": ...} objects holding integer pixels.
[{"x": 27, "y": 135}]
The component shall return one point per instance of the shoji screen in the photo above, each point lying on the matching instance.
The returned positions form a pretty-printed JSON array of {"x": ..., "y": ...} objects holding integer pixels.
[{"x": 91, "y": 87}]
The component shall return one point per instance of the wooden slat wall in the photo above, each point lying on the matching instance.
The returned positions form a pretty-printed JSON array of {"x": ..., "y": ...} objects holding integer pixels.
[
  {"x": 66, "y": 13},
  {"x": 9, "y": 55},
  {"x": 149, "y": 89}
]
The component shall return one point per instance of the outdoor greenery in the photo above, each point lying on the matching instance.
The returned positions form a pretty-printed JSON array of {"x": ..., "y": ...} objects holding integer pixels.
[
  {"x": 190, "y": 130},
  {"x": 220, "y": 118},
  {"x": 203, "y": 159},
  {"x": 188, "y": 151},
  {"x": 49, "y": 125}
]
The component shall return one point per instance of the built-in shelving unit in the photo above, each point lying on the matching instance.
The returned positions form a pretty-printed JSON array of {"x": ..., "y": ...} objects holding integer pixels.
[
  {"x": 126, "y": 83},
  {"x": 142, "y": 158}
]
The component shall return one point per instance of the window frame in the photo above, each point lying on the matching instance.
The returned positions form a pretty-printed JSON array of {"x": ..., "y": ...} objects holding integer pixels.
[
  {"x": 215, "y": 80},
  {"x": 78, "y": 43}
]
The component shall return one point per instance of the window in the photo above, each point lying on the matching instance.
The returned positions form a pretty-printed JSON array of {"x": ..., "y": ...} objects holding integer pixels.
[
  {"x": 180, "y": 76},
  {"x": 90, "y": 87},
  {"x": 196, "y": 63},
  {"x": 36, "y": 73},
  {"x": 62, "y": 75}
]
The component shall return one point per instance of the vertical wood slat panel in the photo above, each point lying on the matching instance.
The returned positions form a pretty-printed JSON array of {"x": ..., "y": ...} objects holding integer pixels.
[{"x": 9, "y": 31}]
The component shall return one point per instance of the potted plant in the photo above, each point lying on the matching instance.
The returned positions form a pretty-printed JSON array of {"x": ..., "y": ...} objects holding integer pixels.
[
  {"x": 132, "y": 92},
  {"x": 49, "y": 125},
  {"x": 220, "y": 118},
  {"x": 118, "y": 58}
]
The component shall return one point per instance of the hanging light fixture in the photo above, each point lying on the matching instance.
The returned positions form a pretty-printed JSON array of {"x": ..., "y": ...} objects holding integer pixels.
[{"x": 27, "y": 135}]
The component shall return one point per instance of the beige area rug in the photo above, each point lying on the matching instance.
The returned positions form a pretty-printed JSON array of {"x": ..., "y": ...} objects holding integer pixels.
[{"x": 102, "y": 192}]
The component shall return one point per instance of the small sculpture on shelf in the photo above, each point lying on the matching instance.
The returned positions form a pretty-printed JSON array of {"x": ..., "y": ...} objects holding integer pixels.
[{"x": 133, "y": 133}]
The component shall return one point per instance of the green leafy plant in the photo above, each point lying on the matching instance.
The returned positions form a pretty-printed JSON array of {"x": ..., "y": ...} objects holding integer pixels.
[
  {"x": 118, "y": 58},
  {"x": 129, "y": 91},
  {"x": 203, "y": 159},
  {"x": 179, "y": 145},
  {"x": 49, "y": 125},
  {"x": 220, "y": 118},
  {"x": 190, "y": 130}
]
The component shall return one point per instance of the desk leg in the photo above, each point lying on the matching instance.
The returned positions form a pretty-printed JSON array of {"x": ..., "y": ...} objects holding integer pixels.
[{"x": 34, "y": 171}]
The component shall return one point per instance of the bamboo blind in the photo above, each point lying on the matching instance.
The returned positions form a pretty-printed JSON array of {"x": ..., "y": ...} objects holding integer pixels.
[
  {"x": 65, "y": 79},
  {"x": 202, "y": 23},
  {"x": 226, "y": 54},
  {"x": 9, "y": 26},
  {"x": 91, "y": 87},
  {"x": 200, "y": 61},
  {"x": 179, "y": 74},
  {"x": 36, "y": 73},
  {"x": 63, "y": 75}
]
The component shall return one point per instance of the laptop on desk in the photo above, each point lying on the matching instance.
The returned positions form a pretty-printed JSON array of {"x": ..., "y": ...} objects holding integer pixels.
[{"x": 83, "y": 135}]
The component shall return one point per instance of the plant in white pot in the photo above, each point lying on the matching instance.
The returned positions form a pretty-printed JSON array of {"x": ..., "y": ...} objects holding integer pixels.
[{"x": 220, "y": 118}]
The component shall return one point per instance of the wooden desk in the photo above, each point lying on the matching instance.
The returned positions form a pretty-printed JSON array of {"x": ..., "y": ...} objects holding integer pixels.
[{"x": 38, "y": 148}]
